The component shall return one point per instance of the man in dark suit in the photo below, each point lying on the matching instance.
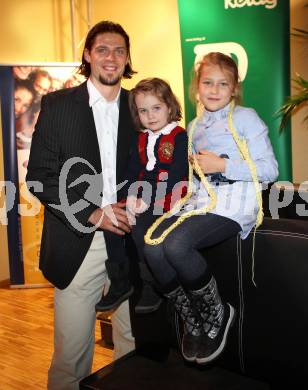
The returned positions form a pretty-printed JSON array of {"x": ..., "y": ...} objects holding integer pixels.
[{"x": 78, "y": 155}]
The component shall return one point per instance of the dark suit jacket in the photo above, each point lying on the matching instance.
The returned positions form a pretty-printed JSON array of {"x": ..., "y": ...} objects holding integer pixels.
[{"x": 65, "y": 137}]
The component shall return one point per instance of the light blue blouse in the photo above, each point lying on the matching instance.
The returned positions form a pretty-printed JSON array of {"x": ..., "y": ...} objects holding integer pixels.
[{"x": 236, "y": 201}]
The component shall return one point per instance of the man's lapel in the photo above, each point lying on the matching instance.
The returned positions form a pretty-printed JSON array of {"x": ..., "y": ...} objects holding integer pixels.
[
  {"x": 87, "y": 123},
  {"x": 125, "y": 131}
]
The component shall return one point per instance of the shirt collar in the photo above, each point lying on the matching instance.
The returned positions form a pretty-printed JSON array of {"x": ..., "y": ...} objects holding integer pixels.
[
  {"x": 165, "y": 130},
  {"x": 207, "y": 118},
  {"x": 95, "y": 95},
  {"x": 219, "y": 114}
]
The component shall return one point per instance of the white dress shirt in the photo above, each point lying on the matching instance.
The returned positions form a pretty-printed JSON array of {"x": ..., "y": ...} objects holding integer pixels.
[{"x": 106, "y": 118}]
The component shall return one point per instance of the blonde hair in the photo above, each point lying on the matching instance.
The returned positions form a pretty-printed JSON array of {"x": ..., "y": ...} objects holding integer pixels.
[{"x": 226, "y": 64}]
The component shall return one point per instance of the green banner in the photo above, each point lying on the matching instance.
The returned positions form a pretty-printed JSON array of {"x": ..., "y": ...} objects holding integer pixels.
[{"x": 256, "y": 34}]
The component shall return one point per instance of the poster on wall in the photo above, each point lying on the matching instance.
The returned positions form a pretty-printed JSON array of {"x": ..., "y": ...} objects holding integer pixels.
[
  {"x": 22, "y": 88},
  {"x": 256, "y": 35}
]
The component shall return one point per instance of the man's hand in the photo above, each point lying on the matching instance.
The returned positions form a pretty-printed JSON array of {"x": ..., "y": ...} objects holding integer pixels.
[
  {"x": 112, "y": 217},
  {"x": 209, "y": 162}
]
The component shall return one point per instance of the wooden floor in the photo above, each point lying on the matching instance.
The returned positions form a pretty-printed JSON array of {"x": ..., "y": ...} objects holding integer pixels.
[{"x": 26, "y": 338}]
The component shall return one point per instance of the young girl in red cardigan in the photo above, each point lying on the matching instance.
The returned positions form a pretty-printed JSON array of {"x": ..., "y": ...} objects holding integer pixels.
[{"x": 157, "y": 175}]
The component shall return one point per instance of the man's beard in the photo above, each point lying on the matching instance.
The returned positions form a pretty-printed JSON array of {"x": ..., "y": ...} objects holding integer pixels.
[{"x": 105, "y": 81}]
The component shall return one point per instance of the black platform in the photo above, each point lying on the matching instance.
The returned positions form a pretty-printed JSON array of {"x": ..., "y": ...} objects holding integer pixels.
[
  {"x": 267, "y": 346},
  {"x": 135, "y": 372}
]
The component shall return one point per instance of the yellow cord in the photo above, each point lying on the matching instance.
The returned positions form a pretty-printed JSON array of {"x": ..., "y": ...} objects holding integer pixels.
[
  {"x": 242, "y": 145},
  {"x": 195, "y": 166},
  {"x": 243, "y": 148}
]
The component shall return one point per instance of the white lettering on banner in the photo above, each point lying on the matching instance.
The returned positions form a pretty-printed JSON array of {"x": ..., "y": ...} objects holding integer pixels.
[
  {"x": 195, "y": 39},
  {"x": 227, "y": 48},
  {"x": 269, "y": 4}
]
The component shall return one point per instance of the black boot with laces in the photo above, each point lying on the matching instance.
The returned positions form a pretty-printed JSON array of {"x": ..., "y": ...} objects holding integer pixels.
[
  {"x": 217, "y": 320},
  {"x": 193, "y": 329}
]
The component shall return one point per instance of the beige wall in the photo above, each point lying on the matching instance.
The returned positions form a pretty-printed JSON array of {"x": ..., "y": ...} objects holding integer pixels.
[{"x": 39, "y": 30}]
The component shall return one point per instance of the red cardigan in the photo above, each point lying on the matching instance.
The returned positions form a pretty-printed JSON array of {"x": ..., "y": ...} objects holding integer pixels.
[{"x": 170, "y": 151}]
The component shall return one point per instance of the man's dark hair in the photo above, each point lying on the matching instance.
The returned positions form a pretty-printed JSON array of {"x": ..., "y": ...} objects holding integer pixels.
[{"x": 101, "y": 28}]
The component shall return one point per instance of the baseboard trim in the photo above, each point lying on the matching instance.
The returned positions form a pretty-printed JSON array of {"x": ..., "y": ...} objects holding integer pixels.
[
  {"x": 40, "y": 285},
  {"x": 4, "y": 283}
]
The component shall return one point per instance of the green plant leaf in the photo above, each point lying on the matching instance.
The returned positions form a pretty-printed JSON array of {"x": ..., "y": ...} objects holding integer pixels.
[
  {"x": 295, "y": 102},
  {"x": 300, "y": 99}
]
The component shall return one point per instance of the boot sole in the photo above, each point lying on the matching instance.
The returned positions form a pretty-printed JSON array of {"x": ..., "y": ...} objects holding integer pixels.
[
  {"x": 220, "y": 349},
  {"x": 114, "y": 305},
  {"x": 189, "y": 359}
]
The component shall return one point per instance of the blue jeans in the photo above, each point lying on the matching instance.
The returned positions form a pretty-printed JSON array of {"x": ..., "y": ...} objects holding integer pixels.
[{"x": 177, "y": 259}]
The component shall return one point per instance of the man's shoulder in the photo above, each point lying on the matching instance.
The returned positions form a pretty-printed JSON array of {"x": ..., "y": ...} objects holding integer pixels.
[{"x": 124, "y": 93}]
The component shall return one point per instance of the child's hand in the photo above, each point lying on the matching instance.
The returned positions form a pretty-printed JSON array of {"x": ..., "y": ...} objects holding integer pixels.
[
  {"x": 141, "y": 206},
  {"x": 135, "y": 206},
  {"x": 209, "y": 162}
]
